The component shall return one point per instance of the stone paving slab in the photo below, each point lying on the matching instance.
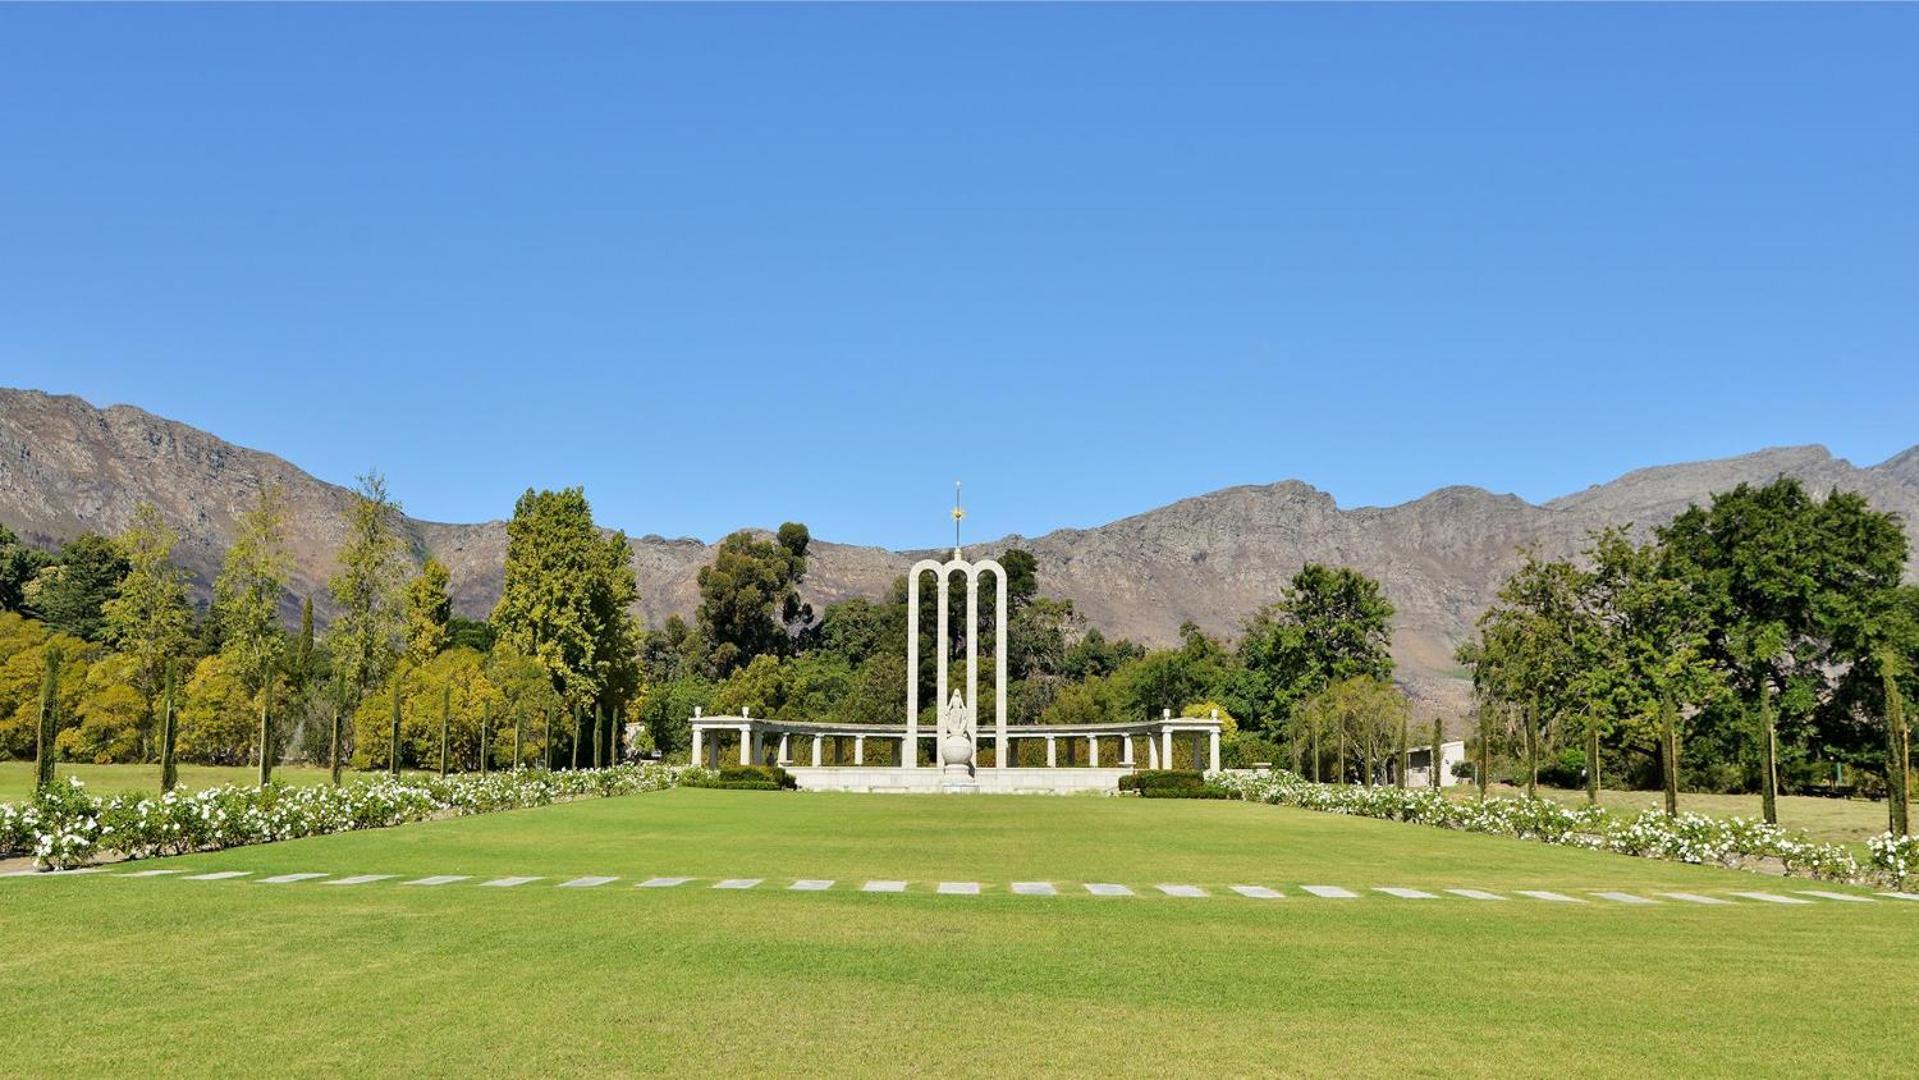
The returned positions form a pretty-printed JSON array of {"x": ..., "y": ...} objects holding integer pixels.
[
  {"x": 507, "y": 882},
  {"x": 1476, "y": 894},
  {"x": 584, "y": 882},
  {"x": 1901, "y": 895},
  {"x": 1850, "y": 898},
  {"x": 1557, "y": 898},
  {"x": 1182, "y": 890},
  {"x": 1772, "y": 898},
  {"x": 438, "y": 879},
  {"x": 1694, "y": 898},
  {"x": 1624, "y": 898},
  {"x": 218, "y": 875},
  {"x": 1404, "y": 894},
  {"x": 1331, "y": 892},
  {"x": 1035, "y": 888},
  {"x": 884, "y": 886},
  {"x": 739, "y": 883},
  {"x": 359, "y": 879},
  {"x": 288, "y": 879},
  {"x": 1258, "y": 892},
  {"x": 1098, "y": 888},
  {"x": 149, "y": 873},
  {"x": 811, "y": 885},
  {"x": 959, "y": 888},
  {"x": 663, "y": 882}
]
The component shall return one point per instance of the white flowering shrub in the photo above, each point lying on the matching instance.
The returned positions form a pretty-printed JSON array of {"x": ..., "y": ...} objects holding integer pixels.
[
  {"x": 64, "y": 826},
  {"x": 1690, "y": 838}
]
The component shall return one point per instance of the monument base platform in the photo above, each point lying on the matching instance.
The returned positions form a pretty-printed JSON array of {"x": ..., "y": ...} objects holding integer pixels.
[{"x": 986, "y": 781}]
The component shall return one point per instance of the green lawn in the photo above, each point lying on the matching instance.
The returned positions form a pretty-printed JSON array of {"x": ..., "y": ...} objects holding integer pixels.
[
  {"x": 111, "y": 974},
  {"x": 1838, "y": 820}
]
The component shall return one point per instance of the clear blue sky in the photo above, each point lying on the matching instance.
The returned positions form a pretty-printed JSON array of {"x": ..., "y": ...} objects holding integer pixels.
[{"x": 737, "y": 265}]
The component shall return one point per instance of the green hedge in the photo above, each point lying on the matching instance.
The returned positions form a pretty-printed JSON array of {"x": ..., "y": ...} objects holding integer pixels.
[
  {"x": 742, "y": 778},
  {"x": 1170, "y": 784}
]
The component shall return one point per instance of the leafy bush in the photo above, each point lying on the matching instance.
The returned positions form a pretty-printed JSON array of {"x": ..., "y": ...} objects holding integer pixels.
[
  {"x": 1690, "y": 838},
  {"x": 1171, "y": 784},
  {"x": 1568, "y": 770},
  {"x": 64, "y": 826}
]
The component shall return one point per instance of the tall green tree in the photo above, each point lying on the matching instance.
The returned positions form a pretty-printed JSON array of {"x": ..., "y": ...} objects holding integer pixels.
[
  {"x": 1329, "y": 624},
  {"x": 749, "y": 597},
  {"x": 429, "y": 610},
  {"x": 368, "y": 593},
  {"x": 148, "y": 620},
  {"x": 246, "y": 598},
  {"x": 19, "y": 564},
  {"x": 49, "y": 728},
  {"x": 565, "y": 599},
  {"x": 1789, "y": 584},
  {"x": 71, "y": 595}
]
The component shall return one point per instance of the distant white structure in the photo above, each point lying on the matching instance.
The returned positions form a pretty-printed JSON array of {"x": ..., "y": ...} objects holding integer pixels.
[
  {"x": 1419, "y": 768},
  {"x": 956, "y": 738}
]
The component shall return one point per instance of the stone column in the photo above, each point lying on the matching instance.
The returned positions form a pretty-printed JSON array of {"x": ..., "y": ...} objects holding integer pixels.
[
  {"x": 699, "y": 734},
  {"x": 1092, "y": 751},
  {"x": 1166, "y": 746},
  {"x": 1126, "y": 752},
  {"x": 1152, "y": 752},
  {"x": 817, "y": 740},
  {"x": 909, "y": 752},
  {"x": 1052, "y": 753},
  {"x": 859, "y": 749},
  {"x": 1212, "y": 750},
  {"x": 759, "y": 748},
  {"x": 746, "y": 746},
  {"x": 784, "y": 745}
]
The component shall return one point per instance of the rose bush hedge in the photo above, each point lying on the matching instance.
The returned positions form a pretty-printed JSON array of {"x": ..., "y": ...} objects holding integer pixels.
[
  {"x": 64, "y": 826},
  {"x": 1692, "y": 838}
]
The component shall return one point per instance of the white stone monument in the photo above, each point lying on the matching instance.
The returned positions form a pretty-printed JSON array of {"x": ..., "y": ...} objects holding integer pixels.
[{"x": 957, "y": 750}]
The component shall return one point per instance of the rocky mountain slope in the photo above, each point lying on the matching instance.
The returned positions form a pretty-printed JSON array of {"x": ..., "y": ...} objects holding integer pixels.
[{"x": 67, "y": 467}]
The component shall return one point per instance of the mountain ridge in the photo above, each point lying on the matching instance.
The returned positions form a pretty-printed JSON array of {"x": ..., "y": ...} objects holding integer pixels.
[{"x": 1215, "y": 558}]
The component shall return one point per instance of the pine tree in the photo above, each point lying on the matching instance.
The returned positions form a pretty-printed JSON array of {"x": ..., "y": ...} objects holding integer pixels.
[
  {"x": 446, "y": 715},
  {"x": 49, "y": 719},
  {"x": 429, "y": 609},
  {"x": 169, "y": 732}
]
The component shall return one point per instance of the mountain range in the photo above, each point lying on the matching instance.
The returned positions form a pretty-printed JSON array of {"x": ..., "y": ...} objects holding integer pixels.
[{"x": 67, "y": 467}]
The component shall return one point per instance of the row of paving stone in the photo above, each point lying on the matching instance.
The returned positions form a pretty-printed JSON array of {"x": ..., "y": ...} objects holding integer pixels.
[{"x": 1031, "y": 888}]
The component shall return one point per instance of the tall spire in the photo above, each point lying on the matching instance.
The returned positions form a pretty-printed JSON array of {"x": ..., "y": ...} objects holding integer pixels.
[{"x": 959, "y": 515}]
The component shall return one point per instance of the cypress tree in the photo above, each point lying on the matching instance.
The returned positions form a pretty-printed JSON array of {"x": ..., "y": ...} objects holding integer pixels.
[
  {"x": 1405, "y": 751},
  {"x": 517, "y": 725},
  {"x": 339, "y": 732},
  {"x": 1484, "y": 773},
  {"x": 1315, "y": 753},
  {"x": 266, "y": 734},
  {"x": 546, "y": 737},
  {"x": 1898, "y": 755},
  {"x": 1669, "y": 751},
  {"x": 1439, "y": 736},
  {"x": 1592, "y": 760},
  {"x": 1768, "y": 756},
  {"x": 579, "y": 725},
  {"x": 1531, "y": 717},
  {"x": 599, "y": 736},
  {"x": 169, "y": 733},
  {"x": 446, "y": 715},
  {"x": 43, "y": 752},
  {"x": 393, "y": 750},
  {"x": 486, "y": 734}
]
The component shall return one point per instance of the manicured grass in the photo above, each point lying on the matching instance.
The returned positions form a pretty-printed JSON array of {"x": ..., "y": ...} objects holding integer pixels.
[
  {"x": 1838, "y": 820},
  {"x": 119, "y": 975},
  {"x": 16, "y": 777}
]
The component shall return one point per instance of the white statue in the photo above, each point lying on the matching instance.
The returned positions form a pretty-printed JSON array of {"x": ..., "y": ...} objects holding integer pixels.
[{"x": 956, "y": 735}]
